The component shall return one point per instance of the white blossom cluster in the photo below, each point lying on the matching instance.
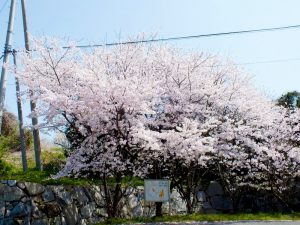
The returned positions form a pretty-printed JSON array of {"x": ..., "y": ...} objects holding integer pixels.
[{"x": 139, "y": 106}]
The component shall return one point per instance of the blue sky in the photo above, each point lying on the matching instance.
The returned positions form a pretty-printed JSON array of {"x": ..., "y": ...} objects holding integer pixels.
[{"x": 98, "y": 21}]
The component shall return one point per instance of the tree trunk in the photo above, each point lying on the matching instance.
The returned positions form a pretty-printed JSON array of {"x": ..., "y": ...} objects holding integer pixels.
[
  {"x": 287, "y": 206},
  {"x": 158, "y": 209},
  {"x": 189, "y": 207},
  {"x": 117, "y": 197}
]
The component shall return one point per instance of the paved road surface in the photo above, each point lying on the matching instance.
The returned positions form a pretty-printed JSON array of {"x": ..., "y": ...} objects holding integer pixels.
[{"x": 230, "y": 223}]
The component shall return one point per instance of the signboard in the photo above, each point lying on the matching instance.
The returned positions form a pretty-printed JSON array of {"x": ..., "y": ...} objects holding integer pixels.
[{"x": 157, "y": 190}]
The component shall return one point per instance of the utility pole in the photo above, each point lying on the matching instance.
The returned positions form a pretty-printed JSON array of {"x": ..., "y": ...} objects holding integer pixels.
[
  {"x": 7, "y": 50},
  {"x": 20, "y": 116},
  {"x": 36, "y": 134}
]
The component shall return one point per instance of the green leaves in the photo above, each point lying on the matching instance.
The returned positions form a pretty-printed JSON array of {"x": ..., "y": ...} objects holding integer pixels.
[{"x": 290, "y": 100}]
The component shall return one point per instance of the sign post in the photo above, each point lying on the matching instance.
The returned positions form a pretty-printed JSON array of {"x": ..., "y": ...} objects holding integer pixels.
[{"x": 157, "y": 191}]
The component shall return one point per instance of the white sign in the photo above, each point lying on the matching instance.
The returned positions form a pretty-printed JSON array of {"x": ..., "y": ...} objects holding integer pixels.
[{"x": 157, "y": 190}]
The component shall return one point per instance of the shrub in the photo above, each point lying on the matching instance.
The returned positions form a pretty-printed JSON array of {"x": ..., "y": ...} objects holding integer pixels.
[{"x": 53, "y": 160}]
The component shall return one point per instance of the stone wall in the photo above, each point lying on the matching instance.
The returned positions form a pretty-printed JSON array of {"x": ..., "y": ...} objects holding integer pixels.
[
  {"x": 35, "y": 204},
  {"x": 30, "y": 203}
]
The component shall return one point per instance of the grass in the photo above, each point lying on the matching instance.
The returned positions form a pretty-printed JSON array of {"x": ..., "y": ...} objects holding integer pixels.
[
  {"x": 206, "y": 217},
  {"x": 43, "y": 177},
  {"x": 52, "y": 160}
]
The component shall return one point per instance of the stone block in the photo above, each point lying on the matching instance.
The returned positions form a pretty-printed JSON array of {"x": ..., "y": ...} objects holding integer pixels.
[
  {"x": 21, "y": 185},
  {"x": 79, "y": 194},
  {"x": 26, "y": 220},
  {"x": 8, "y": 221},
  {"x": 2, "y": 188},
  {"x": 125, "y": 212},
  {"x": 62, "y": 194},
  {"x": 19, "y": 210},
  {"x": 214, "y": 188},
  {"x": 198, "y": 207},
  {"x": 40, "y": 222},
  {"x": 57, "y": 221},
  {"x": 12, "y": 194},
  {"x": 24, "y": 199},
  {"x": 48, "y": 195},
  {"x": 97, "y": 195},
  {"x": 227, "y": 204},
  {"x": 95, "y": 220},
  {"x": 35, "y": 212},
  {"x": 133, "y": 201},
  {"x": 177, "y": 204},
  {"x": 87, "y": 191},
  {"x": 33, "y": 188},
  {"x": 2, "y": 209},
  {"x": 63, "y": 221},
  {"x": 87, "y": 210},
  {"x": 101, "y": 212},
  {"x": 82, "y": 222},
  {"x": 11, "y": 183},
  {"x": 71, "y": 214},
  {"x": 216, "y": 202},
  {"x": 206, "y": 205},
  {"x": 51, "y": 209},
  {"x": 137, "y": 211},
  {"x": 221, "y": 203},
  {"x": 201, "y": 197}
]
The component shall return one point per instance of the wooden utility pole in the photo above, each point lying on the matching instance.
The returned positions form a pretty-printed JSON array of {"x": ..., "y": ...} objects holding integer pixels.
[
  {"x": 36, "y": 134},
  {"x": 20, "y": 117},
  {"x": 7, "y": 50}
]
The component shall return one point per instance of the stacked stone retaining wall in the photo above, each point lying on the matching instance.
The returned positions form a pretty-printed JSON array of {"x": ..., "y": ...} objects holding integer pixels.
[{"x": 36, "y": 204}]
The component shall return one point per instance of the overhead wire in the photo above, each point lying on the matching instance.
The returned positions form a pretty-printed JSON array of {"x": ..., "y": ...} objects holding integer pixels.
[
  {"x": 260, "y": 62},
  {"x": 193, "y": 37},
  {"x": 188, "y": 37},
  {"x": 237, "y": 64},
  {"x": 178, "y": 38},
  {"x": 269, "y": 61},
  {"x": 203, "y": 36}
]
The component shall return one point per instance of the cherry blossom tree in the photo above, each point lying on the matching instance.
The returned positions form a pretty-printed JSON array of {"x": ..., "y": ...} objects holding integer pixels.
[
  {"x": 259, "y": 155},
  {"x": 153, "y": 111},
  {"x": 283, "y": 167}
]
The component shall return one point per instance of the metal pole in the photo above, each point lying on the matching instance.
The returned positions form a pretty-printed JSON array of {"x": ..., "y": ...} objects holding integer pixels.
[
  {"x": 20, "y": 117},
  {"x": 36, "y": 134},
  {"x": 7, "y": 49}
]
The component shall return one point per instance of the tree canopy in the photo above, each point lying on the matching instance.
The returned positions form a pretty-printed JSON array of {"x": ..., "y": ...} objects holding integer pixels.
[
  {"x": 290, "y": 100},
  {"x": 9, "y": 139},
  {"x": 154, "y": 111}
]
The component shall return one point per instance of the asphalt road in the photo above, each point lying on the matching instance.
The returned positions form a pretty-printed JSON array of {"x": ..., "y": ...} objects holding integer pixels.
[{"x": 230, "y": 223}]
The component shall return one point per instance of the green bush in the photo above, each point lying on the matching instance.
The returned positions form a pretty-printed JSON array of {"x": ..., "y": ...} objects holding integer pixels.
[
  {"x": 9, "y": 142},
  {"x": 10, "y": 137},
  {"x": 53, "y": 160},
  {"x": 5, "y": 167}
]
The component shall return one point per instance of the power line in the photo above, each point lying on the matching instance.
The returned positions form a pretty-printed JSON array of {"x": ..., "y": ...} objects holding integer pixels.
[
  {"x": 189, "y": 37},
  {"x": 242, "y": 63},
  {"x": 260, "y": 62},
  {"x": 267, "y": 62},
  {"x": 197, "y": 36},
  {"x": 180, "y": 37},
  {"x": 237, "y": 64}
]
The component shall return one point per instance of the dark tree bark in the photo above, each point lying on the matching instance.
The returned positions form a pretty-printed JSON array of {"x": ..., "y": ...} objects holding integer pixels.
[{"x": 158, "y": 209}]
